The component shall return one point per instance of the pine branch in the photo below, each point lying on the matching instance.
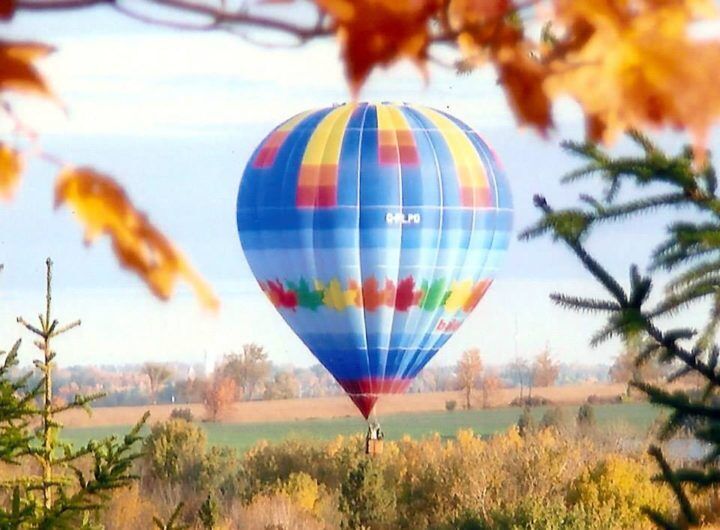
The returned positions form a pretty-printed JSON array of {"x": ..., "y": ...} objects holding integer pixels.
[
  {"x": 584, "y": 304},
  {"x": 669, "y": 477}
]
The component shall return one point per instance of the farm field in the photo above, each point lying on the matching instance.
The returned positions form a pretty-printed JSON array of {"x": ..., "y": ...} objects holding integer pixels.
[
  {"x": 242, "y": 436},
  {"x": 339, "y": 406}
]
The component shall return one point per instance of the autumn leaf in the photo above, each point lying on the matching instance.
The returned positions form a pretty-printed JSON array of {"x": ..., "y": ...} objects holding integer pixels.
[
  {"x": 17, "y": 72},
  {"x": 7, "y": 9},
  {"x": 105, "y": 209},
  {"x": 379, "y": 32},
  {"x": 487, "y": 31},
  {"x": 637, "y": 66},
  {"x": 11, "y": 164}
]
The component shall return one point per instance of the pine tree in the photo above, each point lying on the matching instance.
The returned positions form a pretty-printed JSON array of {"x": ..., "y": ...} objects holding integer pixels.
[
  {"x": 691, "y": 253},
  {"x": 62, "y": 495}
]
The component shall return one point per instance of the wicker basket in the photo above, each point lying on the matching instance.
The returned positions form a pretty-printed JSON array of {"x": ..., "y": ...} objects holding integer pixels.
[{"x": 374, "y": 447}]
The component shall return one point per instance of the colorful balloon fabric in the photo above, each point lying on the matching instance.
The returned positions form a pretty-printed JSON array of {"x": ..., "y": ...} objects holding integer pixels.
[{"x": 374, "y": 229}]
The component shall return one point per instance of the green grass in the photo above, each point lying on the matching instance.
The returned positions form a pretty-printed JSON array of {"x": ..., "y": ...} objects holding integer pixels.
[{"x": 638, "y": 416}]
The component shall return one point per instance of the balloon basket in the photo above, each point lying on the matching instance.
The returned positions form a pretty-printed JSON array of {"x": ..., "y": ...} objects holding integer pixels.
[{"x": 374, "y": 447}]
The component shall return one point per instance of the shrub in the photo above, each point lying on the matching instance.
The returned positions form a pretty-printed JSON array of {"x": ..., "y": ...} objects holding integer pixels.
[
  {"x": 594, "y": 399},
  {"x": 586, "y": 416},
  {"x": 618, "y": 489},
  {"x": 366, "y": 501},
  {"x": 275, "y": 512},
  {"x": 534, "y": 401},
  {"x": 526, "y": 422},
  {"x": 450, "y": 405},
  {"x": 182, "y": 414},
  {"x": 553, "y": 418},
  {"x": 174, "y": 450}
]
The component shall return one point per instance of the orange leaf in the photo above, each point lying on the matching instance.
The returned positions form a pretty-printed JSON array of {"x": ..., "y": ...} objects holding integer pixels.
[
  {"x": 484, "y": 32},
  {"x": 17, "y": 72},
  {"x": 379, "y": 32},
  {"x": 11, "y": 164},
  {"x": 637, "y": 66},
  {"x": 7, "y": 9},
  {"x": 104, "y": 208}
]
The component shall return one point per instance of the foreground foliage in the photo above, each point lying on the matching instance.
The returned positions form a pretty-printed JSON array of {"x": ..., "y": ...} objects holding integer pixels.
[{"x": 554, "y": 477}]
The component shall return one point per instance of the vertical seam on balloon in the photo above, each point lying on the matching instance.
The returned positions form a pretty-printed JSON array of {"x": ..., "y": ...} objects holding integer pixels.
[
  {"x": 359, "y": 246},
  {"x": 429, "y": 325},
  {"x": 318, "y": 139},
  {"x": 275, "y": 269},
  {"x": 397, "y": 382},
  {"x": 463, "y": 259},
  {"x": 429, "y": 343},
  {"x": 330, "y": 121},
  {"x": 299, "y": 316},
  {"x": 398, "y": 165}
]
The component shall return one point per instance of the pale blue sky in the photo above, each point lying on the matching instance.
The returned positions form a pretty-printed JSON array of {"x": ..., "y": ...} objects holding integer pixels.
[{"x": 174, "y": 116}]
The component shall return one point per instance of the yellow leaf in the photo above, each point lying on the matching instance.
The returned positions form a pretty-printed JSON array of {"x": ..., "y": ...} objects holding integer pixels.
[
  {"x": 105, "y": 209},
  {"x": 11, "y": 164},
  {"x": 17, "y": 72}
]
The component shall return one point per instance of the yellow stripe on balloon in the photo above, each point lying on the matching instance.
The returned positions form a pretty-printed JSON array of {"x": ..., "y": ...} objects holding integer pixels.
[
  {"x": 326, "y": 141},
  {"x": 472, "y": 177}
]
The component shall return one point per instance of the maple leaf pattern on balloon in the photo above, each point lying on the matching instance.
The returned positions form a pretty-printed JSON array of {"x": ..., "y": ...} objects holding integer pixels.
[
  {"x": 478, "y": 291},
  {"x": 11, "y": 164},
  {"x": 105, "y": 209},
  {"x": 406, "y": 295},
  {"x": 279, "y": 296},
  {"x": 306, "y": 297}
]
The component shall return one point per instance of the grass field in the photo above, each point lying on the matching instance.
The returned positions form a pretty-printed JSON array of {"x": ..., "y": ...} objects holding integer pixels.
[{"x": 636, "y": 416}]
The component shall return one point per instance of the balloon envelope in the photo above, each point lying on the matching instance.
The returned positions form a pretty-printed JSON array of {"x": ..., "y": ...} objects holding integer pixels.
[{"x": 374, "y": 229}]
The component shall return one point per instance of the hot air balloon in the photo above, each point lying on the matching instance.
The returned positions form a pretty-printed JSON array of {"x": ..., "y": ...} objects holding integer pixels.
[{"x": 374, "y": 229}]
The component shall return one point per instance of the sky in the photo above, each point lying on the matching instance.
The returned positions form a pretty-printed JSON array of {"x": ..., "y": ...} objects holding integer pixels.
[{"x": 174, "y": 117}]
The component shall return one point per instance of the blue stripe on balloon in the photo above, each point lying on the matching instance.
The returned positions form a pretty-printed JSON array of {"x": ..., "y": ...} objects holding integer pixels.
[
  {"x": 338, "y": 218},
  {"x": 349, "y": 159}
]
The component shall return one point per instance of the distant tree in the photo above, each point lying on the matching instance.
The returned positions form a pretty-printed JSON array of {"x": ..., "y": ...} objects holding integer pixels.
[
  {"x": 158, "y": 374},
  {"x": 490, "y": 384},
  {"x": 520, "y": 373},
  {"x": 218, "y": 396},
  {"x": 625, "y": 369},
  {"x": 191, "y": 390},
  {"x": 283, "y": 386},
  {"x": 247, "y": 368},
  {"x": 468, "y": 373},
  {"x": 545, "y": 371}
]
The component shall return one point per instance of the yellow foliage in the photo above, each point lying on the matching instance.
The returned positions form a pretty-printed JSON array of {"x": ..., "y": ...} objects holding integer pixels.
[
  {"x": 619, "y": 487},
  {"x": 104, "y": 208},
  {"x": 302, "y": 489}
]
